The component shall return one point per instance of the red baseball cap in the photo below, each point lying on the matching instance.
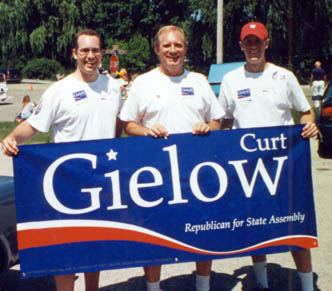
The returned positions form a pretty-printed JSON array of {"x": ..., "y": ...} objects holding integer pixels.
[{"x": 254, "y": 28}]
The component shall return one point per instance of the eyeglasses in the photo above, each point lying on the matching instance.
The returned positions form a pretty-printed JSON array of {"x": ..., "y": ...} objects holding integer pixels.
[{"x": 85, "y": 51}]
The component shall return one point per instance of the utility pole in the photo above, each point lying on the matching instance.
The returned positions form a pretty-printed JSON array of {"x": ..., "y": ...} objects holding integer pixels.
[{"x": 220, "y": 32}]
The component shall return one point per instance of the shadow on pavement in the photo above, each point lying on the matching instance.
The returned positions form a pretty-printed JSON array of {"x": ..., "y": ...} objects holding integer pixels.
[{"x": 280, "y": 279}]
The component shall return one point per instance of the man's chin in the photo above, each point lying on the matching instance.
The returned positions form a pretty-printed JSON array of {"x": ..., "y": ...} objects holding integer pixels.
[
  {"x": 90, "y": 69},
  {"x": 254, "y": 59},
  {"x": 174, "y": 64}
]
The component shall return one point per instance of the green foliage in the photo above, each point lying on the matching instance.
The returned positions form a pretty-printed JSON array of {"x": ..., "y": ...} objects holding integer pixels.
[
  {"x": 44, "y": 29},
  {"x": 137, "y": 56},
  {"x": 42, "y": 69},
  {"x": 38, "y": 40},
  {"x": 201, "y": 33}
]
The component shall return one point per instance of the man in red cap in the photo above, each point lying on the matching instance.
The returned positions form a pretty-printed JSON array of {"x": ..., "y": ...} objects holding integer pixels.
[{"x": 262, "y": 94}]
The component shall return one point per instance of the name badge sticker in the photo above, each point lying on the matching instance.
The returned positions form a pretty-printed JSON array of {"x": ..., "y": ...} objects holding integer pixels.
[
  {"x": 186, "y": 91},
  {"x": 79, "y": 95},
  {"x": 244, "y": 94}
]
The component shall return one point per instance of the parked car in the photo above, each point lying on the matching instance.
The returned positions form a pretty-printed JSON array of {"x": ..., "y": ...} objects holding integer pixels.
[
  {"x": 8, "y": 234},
  {"x": 325, "y": 124},
  {"x": 217, "y": 73},
  {"x": 12, "y": 75},
  {"x": 3, "y": 87}
]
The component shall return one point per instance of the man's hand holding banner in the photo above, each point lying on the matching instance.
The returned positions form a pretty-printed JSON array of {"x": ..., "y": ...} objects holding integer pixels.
[{"x": 106, "y": 204}]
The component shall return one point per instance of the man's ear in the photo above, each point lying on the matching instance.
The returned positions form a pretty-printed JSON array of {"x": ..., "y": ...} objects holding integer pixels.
[
  {"x": 240, "y": 43},
  {"x": 74, "y": 53},
  {"x": 267, "y": 43},
  {"x": 156, "y": 50}
]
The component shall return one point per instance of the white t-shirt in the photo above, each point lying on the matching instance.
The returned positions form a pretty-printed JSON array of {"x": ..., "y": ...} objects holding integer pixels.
[
  {"x": 79, "y": 110},
  {"x": 177, "y": 103},
  {"x": 261, "y": 99}
]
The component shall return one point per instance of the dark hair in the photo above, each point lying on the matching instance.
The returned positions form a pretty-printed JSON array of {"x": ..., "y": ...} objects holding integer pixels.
[
  {"x": 86, "y": 32},
  {"x": 169, "y": 28}
]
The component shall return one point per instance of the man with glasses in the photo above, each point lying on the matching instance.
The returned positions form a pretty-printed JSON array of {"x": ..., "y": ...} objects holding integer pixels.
[{"x": 82, "y": 106}]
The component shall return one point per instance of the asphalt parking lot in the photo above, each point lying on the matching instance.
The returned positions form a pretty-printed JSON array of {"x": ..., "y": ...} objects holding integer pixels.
[{"x": 228, "y": 274}]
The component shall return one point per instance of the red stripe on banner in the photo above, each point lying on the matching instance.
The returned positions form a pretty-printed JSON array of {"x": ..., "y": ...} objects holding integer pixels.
[
  {"x": 54, "y": 236},
  {"x": 34, "y": 238},
  {"x": 303, "y": 242}
]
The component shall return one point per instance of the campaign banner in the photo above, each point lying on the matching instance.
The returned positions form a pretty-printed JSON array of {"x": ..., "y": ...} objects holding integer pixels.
[{"x": 138, "y": 201}]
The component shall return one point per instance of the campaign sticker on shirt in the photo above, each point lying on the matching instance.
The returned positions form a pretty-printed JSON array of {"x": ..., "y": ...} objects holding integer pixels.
[
  {"x": 79, "y": 95},
  {"x": 244, "y": 93},
  {"x": 187, "y": 91},
  {"x": 278, "y": 75}
]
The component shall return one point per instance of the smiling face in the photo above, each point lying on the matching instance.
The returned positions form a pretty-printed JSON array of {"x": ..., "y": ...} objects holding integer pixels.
[
  {"x": 254, "y": 50},
  {"x": 88, "y": 55},
  {"x": 171, "y": 51}
]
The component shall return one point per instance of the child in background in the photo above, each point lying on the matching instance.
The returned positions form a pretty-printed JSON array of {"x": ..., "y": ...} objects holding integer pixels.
[{"x": 27, "y": 109}]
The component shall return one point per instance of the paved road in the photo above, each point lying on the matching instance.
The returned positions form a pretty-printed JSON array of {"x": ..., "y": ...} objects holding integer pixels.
[
  {"x": 16, "y": 92},
  {"x": 228, "y": 274}
]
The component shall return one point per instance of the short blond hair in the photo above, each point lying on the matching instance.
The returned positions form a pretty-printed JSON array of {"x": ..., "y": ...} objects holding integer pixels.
[{"x": 169, "y": 28}]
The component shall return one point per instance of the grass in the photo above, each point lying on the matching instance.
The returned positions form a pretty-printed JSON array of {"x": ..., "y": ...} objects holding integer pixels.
[
  {"x": 39, "y": 137},
  {"x": 7, "y": 127}
]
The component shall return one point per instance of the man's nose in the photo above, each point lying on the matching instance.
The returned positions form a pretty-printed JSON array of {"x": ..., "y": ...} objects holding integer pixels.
[
  {"x": 172, "y": 48},
  {"x": 91, "y": 54}
]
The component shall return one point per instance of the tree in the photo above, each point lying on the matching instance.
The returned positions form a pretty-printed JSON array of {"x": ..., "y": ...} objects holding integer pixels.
[
  {"x": 14, "y": 33},
  {"x": 201, "y": 32},
  {"x": 44, "y": 28},
  {"x": 121, "y": 20}
]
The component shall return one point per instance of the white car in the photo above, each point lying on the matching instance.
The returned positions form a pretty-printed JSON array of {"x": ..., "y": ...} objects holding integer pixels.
[{"x": 3, "y": 87}]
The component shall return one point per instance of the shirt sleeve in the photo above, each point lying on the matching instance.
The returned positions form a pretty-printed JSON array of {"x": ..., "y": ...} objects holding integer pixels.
[{"x": 43, "y": 116}]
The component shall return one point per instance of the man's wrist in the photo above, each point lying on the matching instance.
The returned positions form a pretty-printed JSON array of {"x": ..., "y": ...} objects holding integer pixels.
[{"x": 146, "y": 131}]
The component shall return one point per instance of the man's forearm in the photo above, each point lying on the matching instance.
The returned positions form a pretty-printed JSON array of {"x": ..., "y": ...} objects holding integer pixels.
[
  {"x": 307, "y": 116},
  {"x": 135, "y": 129},
  {"x": 214, "y": 124},
  {"x": 23, "y": 132}
]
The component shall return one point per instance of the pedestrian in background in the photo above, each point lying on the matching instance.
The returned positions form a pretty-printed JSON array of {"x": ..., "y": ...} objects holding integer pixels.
[{"x": 317, "y": 81}]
